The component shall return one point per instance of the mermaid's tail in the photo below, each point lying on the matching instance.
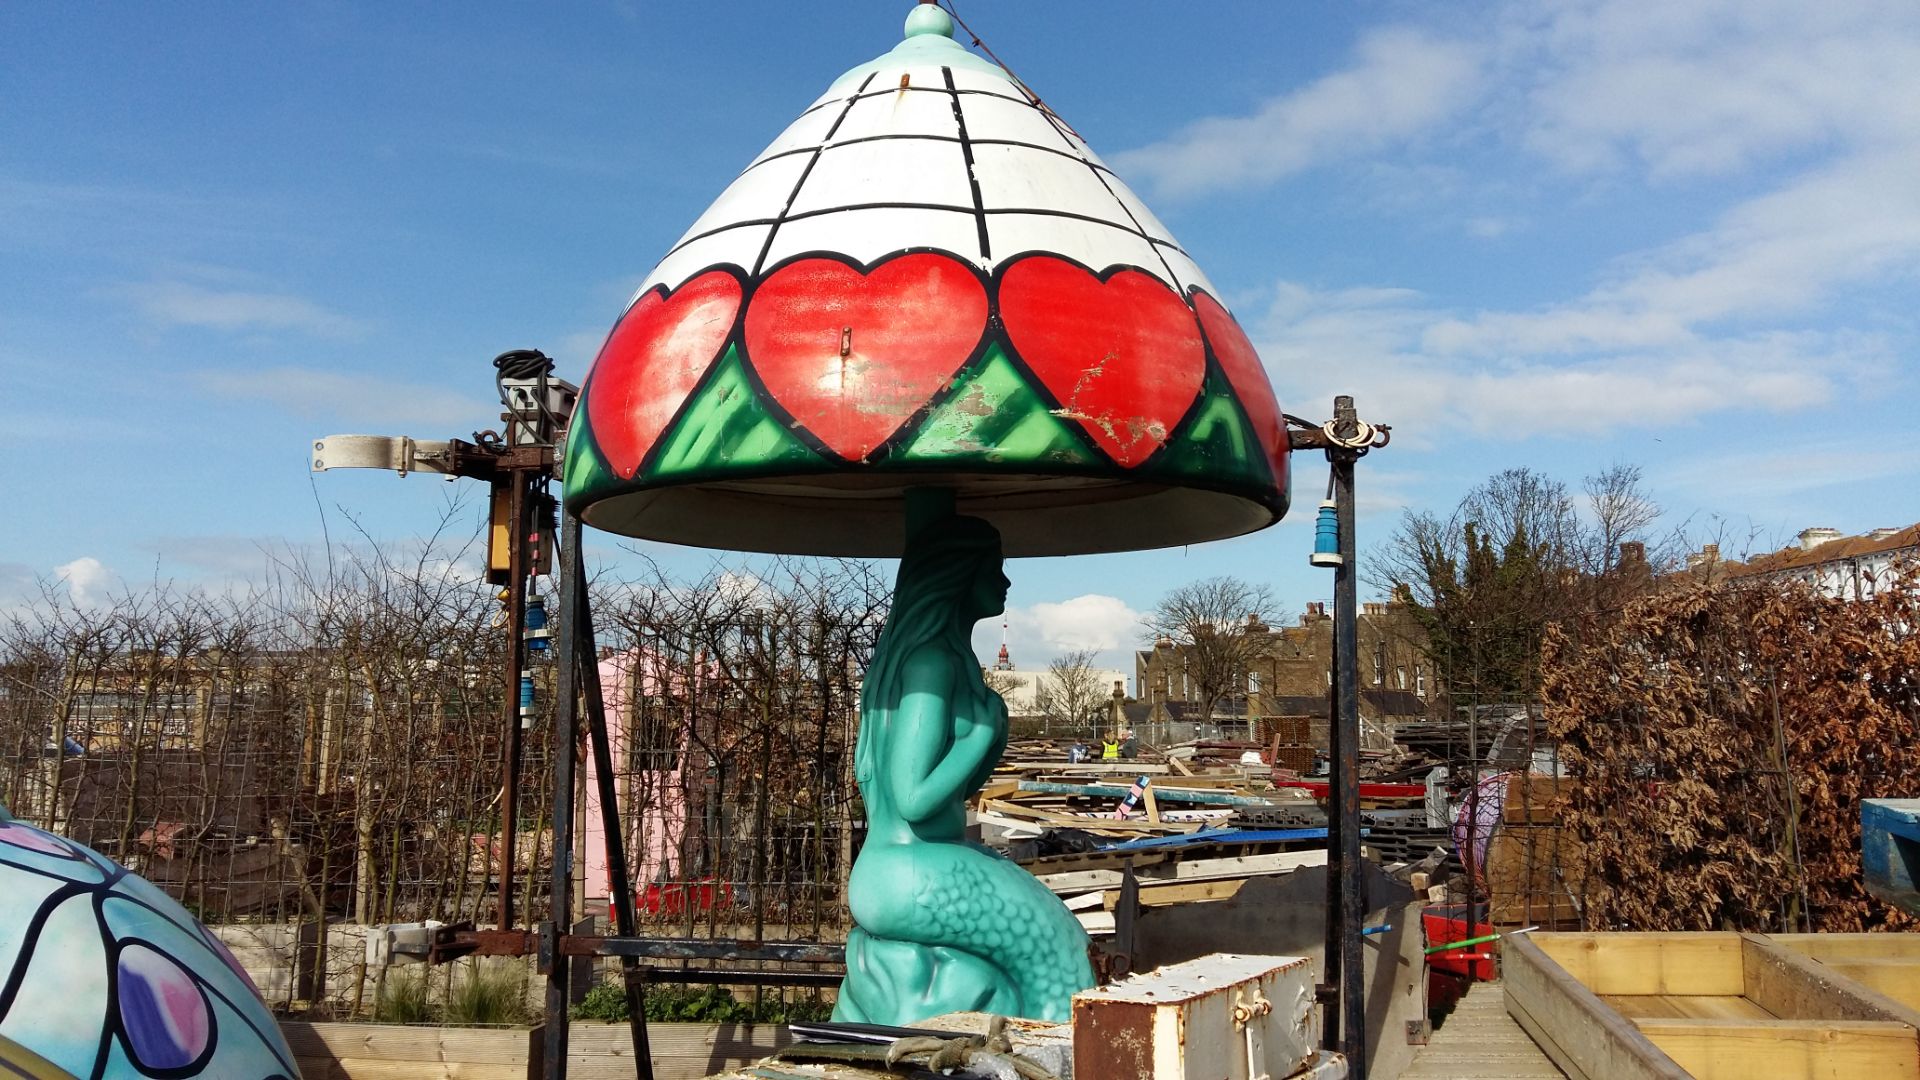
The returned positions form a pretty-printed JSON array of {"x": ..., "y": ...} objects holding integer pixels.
[
  {"x": 950, "y": 927},
  {"x": 899, "y": 982}
]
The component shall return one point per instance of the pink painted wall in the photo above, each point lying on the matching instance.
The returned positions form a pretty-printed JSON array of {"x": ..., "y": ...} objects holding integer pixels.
[{"x": 662, "y": 820}]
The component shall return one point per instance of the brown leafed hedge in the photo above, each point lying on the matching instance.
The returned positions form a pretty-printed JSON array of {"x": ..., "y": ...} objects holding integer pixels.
[{"x": 1720, "y": 739}]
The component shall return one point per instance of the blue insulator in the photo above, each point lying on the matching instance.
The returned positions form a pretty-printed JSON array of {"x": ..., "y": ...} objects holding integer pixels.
[
  {"x": 526, "y": 695},
  {"x": 1326, "y": 536},
  {"x": 539, "y": 638}
]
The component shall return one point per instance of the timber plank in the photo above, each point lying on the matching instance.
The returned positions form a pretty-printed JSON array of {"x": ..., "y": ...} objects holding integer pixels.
[
  {"x": 1797, "y": 987},
  {"x": 1899, "y": 979},
  {"x": 1686, "y": 1007},
  {"x": 1652, "y": 963},
  {"x": 1788, "y": 1049},
  {"x": 598, "y": 1051},
  {"x": 1827, "y": 947},
  {"x": 1242, "y": 866},
  {"x": 371, "y": 1044},
  {"x": 1583, "y": 1036},
  {"x": 1161, "y": 894}
]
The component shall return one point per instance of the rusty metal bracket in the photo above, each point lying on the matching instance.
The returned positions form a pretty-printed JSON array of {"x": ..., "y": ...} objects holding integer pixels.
[{"x": 456, "y": 940}]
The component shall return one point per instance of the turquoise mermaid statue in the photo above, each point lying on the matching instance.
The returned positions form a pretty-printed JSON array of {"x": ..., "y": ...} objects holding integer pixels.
[{"x": 944, "y": 925}]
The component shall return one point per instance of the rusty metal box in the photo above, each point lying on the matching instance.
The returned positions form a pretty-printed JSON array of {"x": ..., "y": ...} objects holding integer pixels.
[{"x": 1221, "y": 1017}]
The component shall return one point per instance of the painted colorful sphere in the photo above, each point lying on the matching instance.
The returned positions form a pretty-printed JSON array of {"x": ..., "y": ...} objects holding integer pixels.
[
  {"x": 928, "y": 280},
  {"x": 107, "y": 976}
]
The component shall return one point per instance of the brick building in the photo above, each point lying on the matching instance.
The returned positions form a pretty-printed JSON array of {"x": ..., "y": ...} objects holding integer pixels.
[{"x": 1291, "y": 672}]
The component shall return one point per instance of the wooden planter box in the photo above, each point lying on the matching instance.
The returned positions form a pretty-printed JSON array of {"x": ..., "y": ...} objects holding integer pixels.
[
  {"x": 1889, "y": 963},
  {"x": 594, "y": 1051},
  {"x": 597, "y": 1051},
  {"x": 360, "y": 1051},
  {"x": 1716, "y": 1006}
]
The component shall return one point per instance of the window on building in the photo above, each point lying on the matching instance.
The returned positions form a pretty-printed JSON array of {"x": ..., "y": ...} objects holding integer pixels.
[
  {"x": 1400, "y": 676},
  {"x": 1420, "y": 680}
]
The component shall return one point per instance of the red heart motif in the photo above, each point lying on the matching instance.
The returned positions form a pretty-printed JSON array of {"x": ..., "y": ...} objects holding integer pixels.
[
  {"x": 1122, "y": 356},
  {"x": 653, "y": 359},
  {"x": 853, "y": 355},
  {"x": 1248, "y": 376}
]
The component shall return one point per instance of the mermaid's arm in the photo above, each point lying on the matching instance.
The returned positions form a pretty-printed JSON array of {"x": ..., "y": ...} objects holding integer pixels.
[
  {"x": 928, "y": 768},
  {"x": 996, "y": 749}
]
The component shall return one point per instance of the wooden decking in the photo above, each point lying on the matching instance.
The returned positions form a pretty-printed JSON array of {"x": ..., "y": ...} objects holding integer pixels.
[{"x": 1479, "y": 1040}]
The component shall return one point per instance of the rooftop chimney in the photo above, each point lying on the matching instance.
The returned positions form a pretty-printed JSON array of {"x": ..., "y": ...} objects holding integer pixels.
[
  {"x": 1881, "y": 534},
  {"x": 1632, "y": 553},
  {"x": 1814, "y": 537}
]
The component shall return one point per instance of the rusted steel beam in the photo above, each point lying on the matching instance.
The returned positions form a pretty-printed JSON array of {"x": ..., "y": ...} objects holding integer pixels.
[{"x": 790, "y": 952}]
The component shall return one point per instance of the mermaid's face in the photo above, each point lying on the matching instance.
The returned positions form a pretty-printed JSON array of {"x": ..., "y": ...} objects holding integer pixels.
[{"x": 987, "y": 594}]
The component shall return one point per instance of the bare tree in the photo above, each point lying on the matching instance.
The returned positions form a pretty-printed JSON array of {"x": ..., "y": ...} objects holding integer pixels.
[
  {"x": 1212, "y": 624},
  {"x": 1070, "y": 693},
  {"x": 1513, "y": 557}
]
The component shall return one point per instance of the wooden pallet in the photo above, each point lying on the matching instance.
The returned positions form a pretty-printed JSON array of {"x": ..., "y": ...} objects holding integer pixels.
[{"x": 1717, "y": 1006}]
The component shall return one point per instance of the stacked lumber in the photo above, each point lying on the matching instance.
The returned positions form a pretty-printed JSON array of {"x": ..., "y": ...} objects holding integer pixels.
[
  {"x": 1530, "y": 857},
  {"x": 1091, "y": 884}
]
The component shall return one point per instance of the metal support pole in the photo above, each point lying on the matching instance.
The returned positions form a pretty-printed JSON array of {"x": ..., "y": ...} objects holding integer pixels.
[
  {"x": 516, "y": 663},
  {"x": 1344, "y": 788},
  {"x": 566, "y": 751},
  {"x": 621, "y": 885},
  {"x": 1336, "y": 937}
]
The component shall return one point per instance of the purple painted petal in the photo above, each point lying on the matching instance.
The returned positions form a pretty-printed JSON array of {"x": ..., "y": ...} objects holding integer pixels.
[{"x": 162, "y": 1009}]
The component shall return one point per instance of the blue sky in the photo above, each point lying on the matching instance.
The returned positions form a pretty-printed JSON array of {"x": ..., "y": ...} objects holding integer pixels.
[{"x": 1554, "y": 234}]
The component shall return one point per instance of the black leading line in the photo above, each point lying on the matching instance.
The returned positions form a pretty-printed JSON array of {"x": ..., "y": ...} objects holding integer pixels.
[
  {"x": 973, "y": 178},
  {"x": 767, "y": 245}
]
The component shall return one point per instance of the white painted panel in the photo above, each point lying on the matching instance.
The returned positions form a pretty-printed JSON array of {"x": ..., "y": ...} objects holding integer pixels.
[
  {"x": 998, "y": 118},
  {"x": 760, "y": 193},
  {"x": 901, "y": 112},
  {"x": 866, "y": 235},
  {"x": 810, "y": 129},
  {"x": 890, "y": 171},
  {"x": 1148, "y": 222},
  {"x": 993, "y": 82},
  {"x": 737, "y": 246},
  {"x": 1095, "y": 246},
  {"x": 1019, "y": 178}
]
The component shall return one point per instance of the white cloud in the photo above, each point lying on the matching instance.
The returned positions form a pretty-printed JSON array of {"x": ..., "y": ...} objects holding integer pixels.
[
  {"x": 1402, "y": 83},
  {"x": 354, "y": 398},
  {"x": 1712, "y": 86},
  {"x": 88, "y": 580},
  {"x": 1855, "y": 221},
  {"x": 176, "y": 303},
  {"x": 1752, "y": 477},
  {"x": 1092, "y": 621},
  {"x": 1380, "y": 345}
]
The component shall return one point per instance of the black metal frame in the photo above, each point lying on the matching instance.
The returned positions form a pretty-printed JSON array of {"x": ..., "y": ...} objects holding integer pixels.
[{"x": 577, "y": 685}]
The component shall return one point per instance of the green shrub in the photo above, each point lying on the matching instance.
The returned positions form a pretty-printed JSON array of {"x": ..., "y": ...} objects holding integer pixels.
[
  {"x": 608, "y": 1002},
  {"x": 402, "y": 998},
  {"x": 488, "y": 995}
]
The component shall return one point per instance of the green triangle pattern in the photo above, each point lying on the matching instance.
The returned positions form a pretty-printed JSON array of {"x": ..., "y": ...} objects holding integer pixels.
[
  {"x": 993, "y": 417},
  {"x": 1217, "y": 443},
  {"x": 726, "y": 430},
  {"x": 584, "y": 471}
]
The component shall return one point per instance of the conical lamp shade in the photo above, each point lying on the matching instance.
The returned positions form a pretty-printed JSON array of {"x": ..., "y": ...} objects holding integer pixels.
[{"x": 928, "y": 280}]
